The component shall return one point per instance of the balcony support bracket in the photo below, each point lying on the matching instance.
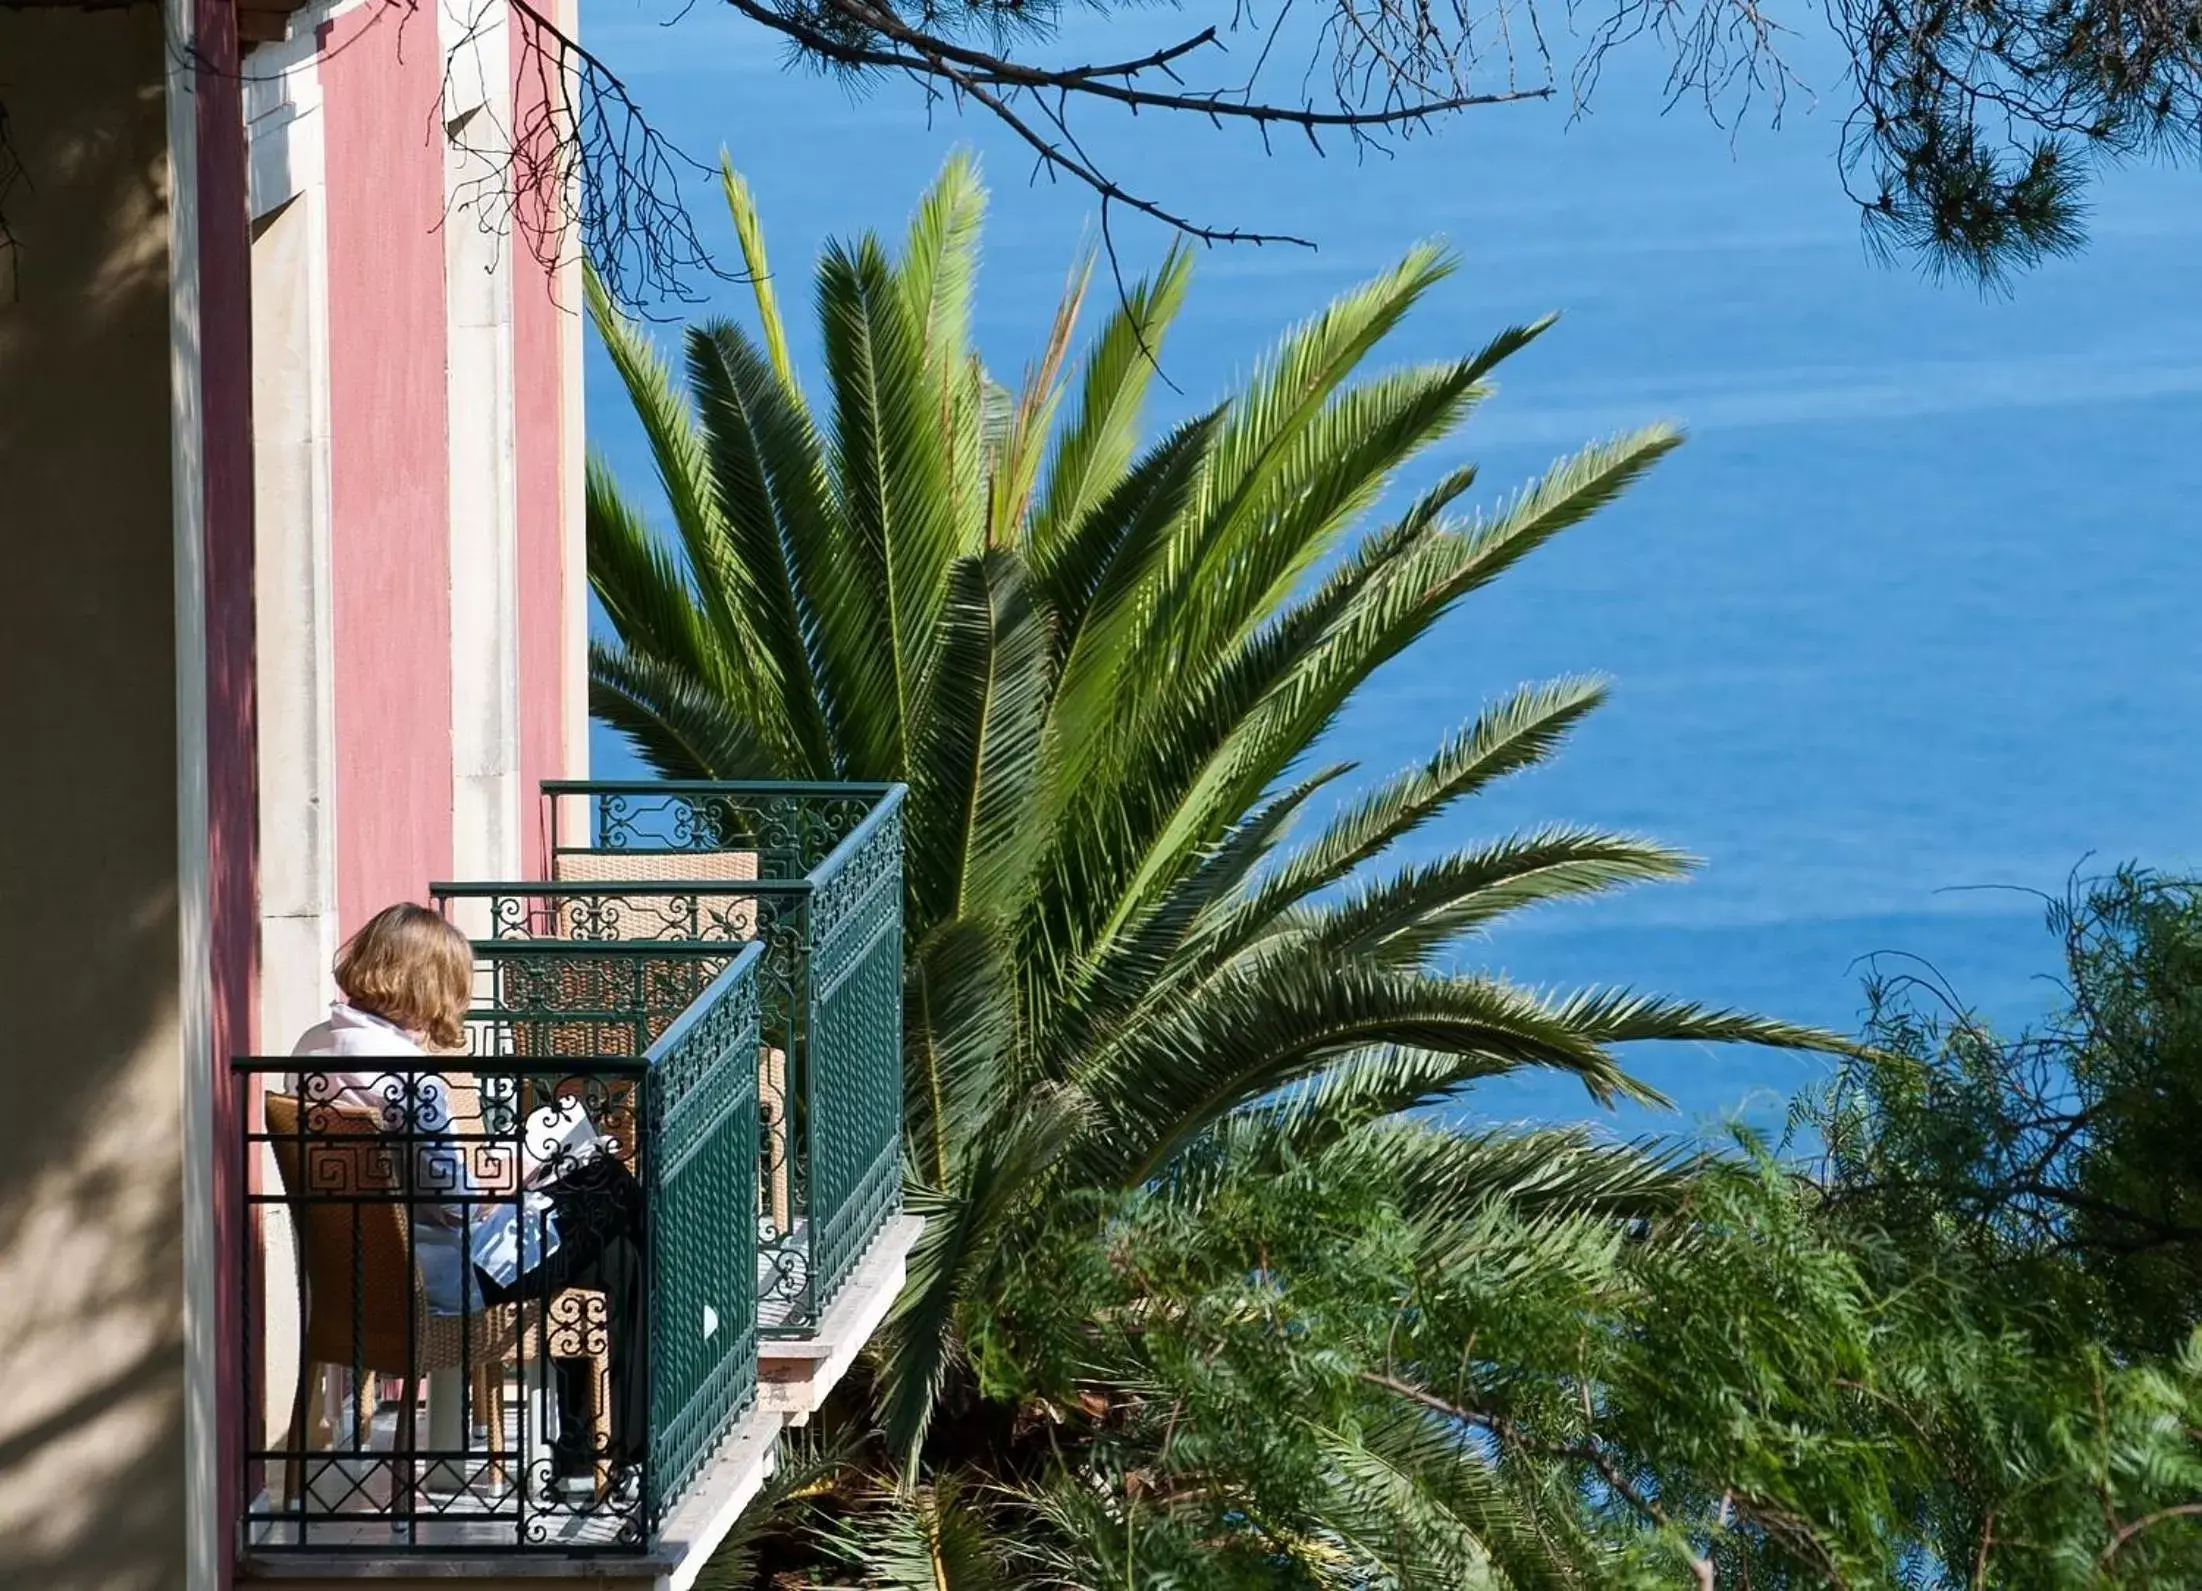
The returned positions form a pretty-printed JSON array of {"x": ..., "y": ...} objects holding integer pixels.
[{"x": 794, "y": 1374}]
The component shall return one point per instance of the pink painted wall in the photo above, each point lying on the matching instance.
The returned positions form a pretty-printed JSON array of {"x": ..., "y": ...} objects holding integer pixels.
[
  {"x": 538, "y": 356},
  {"x": 225, "y": 398},
  {"x": 390, "y": 497}
]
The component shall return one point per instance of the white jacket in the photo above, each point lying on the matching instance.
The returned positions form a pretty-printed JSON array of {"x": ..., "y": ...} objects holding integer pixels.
[
  {"x": 351, "y": 1033},
  {"x": 416, "y": 1098}
]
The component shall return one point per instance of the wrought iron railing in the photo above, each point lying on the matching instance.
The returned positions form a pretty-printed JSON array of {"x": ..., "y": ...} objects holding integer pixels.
[
  {"x": 790, "y": 828},
  {"x": 547, "y": 998},
  {"x": 505, "y": 1301},
  {"x": 678, "y": 877},
  {"x": 703, "y": 1245}
]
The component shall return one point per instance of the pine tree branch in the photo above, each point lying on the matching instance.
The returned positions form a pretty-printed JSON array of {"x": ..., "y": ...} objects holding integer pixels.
[{"x": 2127, "y": 1532}]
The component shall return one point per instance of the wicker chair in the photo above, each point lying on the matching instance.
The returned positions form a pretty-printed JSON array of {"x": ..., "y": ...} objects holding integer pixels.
[
  {"x": 362, "y": 1301},
  {"x": 641, "y": 913}
]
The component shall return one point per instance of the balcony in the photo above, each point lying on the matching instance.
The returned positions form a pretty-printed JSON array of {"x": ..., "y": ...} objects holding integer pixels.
[{"x": 696, "y": 1021}]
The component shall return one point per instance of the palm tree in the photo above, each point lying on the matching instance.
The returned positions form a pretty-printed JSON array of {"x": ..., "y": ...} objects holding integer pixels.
[{"x": 1101, "y": 664}]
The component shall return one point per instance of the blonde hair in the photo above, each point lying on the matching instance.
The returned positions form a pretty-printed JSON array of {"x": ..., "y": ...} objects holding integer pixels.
[{"x": 410, "y": 967}]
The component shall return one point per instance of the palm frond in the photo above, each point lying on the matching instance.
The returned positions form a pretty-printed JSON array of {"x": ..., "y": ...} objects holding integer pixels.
[
  {"x": 1622, "y": 1016},
  {"x": 1372, "y": 1081},
  {"x": 1014, "y": 470},
  {"x": 1295, "y": 381},
  {"x": 959, "y": 1031},
  {"x": 940, "y": 258},
  {"x": 979, "y": 728},
  {"x": 1122, "y": 973},
  {"x": 1253, "y": 1030},
  {"x": 675, "y": 446},
  {"x": 1466, "y": 1533},
  {"x": 1124, "y": 787},
  {"x": 749, "y": 231},
  {"x": 928, "y": 1538},
  {"x": 1331, "y": 470},
  {"x": 891, "y": 476},
  {"x": 683, "y": 727},
  {"x": 804, "y": 1466},
  {"x": 1343, "y": 1128},
  {"x": 1089, "y": 1532},
  {"x": 1266, "y": 429},
  {"x": 1096, "y": 448},
  {"x": 767, "y": 507},
  {"x": 1516, "y": 733},
  {"x": 1385, "y": 616},
  {"x": 1400, "y": 920},
  {"x": 1445, "y": 1173},
  {"x": 937, "y": 272},
  {"x": 645, "y": 592},
  {"x": 1095, "y": 579},
  {"x": 1261, "y": 435},
  {"x": 1003, "y": 1167}
]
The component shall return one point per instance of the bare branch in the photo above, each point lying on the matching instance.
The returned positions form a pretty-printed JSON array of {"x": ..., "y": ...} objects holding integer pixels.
[
  {"x": 580, "y": 163},
  {"x": 2127, "y": 1532},
  {"x": 959, "y": 63},
  {"x": 1037, "y": 103}
]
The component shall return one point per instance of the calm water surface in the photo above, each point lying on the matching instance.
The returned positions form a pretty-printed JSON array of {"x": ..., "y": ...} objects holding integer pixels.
[{"x": 1906, "y": 630}]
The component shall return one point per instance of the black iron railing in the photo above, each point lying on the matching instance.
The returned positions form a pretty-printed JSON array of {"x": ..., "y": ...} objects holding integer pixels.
[{"x": 505, "y": 1301}]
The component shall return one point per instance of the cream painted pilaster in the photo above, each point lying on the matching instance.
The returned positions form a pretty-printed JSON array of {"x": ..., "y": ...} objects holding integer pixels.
[
  {"x": 485, "y": 657},
  {"x": 573, "y": 451},
  {"x": 296, "y": 675},
  {"x": 291, "y": 468}
]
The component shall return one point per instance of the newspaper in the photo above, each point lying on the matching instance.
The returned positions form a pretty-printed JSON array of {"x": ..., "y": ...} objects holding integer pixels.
[
  {"x": 554, "y": 1140},
  {"x": 512, "y": 1237}
]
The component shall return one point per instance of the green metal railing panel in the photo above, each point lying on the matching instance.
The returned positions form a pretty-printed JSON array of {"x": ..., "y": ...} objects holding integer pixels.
[
  {"x": 792, "y": 828},
  {"x": 853, "y": 1084},
  {"x": 703, "y": 1242},
  {"x": 819, "y": 888}
]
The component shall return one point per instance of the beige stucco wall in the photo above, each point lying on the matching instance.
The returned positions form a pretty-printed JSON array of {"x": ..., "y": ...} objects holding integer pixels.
[{"x": 91, "y": 1357}]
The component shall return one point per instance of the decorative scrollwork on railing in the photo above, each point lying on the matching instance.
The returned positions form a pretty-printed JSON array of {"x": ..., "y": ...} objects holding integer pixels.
[
  {"x": 463, "y": 1225},
  {"x": 593, "y": 913},
  {"x": 578, "y": 1325},
  {"x": 819, "y": 889},
  {"x": 792, "y": 830}
]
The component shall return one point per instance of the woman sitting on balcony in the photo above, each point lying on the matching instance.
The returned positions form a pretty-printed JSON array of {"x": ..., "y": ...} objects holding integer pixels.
[{"x": 407, "y": 979}]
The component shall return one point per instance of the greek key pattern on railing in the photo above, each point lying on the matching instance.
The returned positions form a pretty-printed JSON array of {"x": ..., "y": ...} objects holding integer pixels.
[{"x": 389, "y": 1178}]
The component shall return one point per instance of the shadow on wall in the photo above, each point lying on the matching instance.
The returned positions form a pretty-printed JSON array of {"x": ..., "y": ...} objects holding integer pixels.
[{"x": 91, "y": 1355}]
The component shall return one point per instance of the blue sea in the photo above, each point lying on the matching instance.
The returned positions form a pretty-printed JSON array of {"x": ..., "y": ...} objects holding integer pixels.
[{"x": 1896, "y": 639}]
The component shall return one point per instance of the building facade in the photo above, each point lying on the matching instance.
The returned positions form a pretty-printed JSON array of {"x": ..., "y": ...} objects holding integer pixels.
[{"x": 290, "y": 474}]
